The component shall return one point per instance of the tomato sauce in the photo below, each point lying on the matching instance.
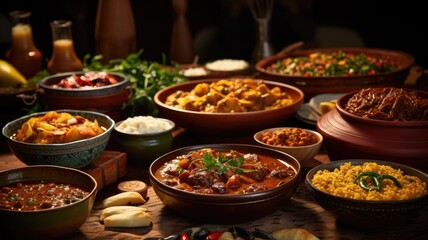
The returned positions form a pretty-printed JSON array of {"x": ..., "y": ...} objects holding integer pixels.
[{"x": 33, "y": 196}]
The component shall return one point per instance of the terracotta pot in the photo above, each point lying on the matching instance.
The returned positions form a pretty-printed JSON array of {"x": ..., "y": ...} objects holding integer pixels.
[{"x": 350, "y": 139}]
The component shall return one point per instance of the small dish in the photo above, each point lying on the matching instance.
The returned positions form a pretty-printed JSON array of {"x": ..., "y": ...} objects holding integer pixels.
[
  {"x": 144, "y": 146},
  {"x": 301, "y": 153}
]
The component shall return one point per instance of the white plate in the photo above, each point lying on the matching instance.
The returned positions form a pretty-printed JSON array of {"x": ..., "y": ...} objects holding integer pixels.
[
  {"x": 315, "y": 102},
  {"x": 307, "y": 114}
]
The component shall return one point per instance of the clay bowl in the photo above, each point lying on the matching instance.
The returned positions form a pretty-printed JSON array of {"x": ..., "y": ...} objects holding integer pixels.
[
  {"x": 301, "y": 153},
  {"x": 110, "y": 100},
  {"x": 368, "y": 214},
  {"x": 227, "y": 123},
  {"x": 353, "y": 137},
  {"x": 313, "y": 86},
  {"x": 77, "y": 154},
  {"x": 52, "y": 222},
  {"x": 223, "y": 208}
]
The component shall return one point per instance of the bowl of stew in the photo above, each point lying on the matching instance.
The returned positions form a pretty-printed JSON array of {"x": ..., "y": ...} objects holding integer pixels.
[
  {"x": 44, "y": 202},
  {"x": 337, "y": 70},
  {"x": 224, "y": 183}
]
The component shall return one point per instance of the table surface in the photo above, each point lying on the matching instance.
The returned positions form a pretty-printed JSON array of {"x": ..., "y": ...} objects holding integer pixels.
[{"x": 301, "y": 211}]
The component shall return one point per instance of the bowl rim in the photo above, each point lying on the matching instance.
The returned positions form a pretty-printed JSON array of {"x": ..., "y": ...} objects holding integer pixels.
[
  {"x": 262, "y": 64},
  {"x": 258, "y": 134},
  {"x": 74, "y": 112},
  {"x": 226, "y": 197},
  {"x": 341, "y": 102},
  {"x": 297, "y": 101},
  {"x": 357, "y": 161},
  {"x": 42, "y": 83},
  {"x": 93, "y": 191},
  {"x": 147, "y": 134}
]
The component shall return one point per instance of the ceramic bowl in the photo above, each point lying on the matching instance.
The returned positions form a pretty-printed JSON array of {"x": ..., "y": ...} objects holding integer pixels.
[
  {"x": 343, "y": 100},
  {"x": 77, "y": 154},
  {"x": 52, "y": 222},
  {"x": 110, "y": 100},
  {"x": 223, "y": 208},
  {"x": 313, "y": 86},
  {"x": 227, "y": 123},
  {"x": 368, "y": 213},
  {"x": 301, "y": 153},
  {"x": 143, "y": 148}
]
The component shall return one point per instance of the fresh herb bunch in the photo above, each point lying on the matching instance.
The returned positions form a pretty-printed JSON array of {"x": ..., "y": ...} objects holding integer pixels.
[
  {"x": 146, "y": 79},
  {"x": 222, "y": 164}
]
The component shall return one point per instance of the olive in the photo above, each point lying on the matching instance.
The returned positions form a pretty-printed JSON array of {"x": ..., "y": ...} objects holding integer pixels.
[
  {"x": 241, "y": 232},
  {"x": 201, "y": 234}
]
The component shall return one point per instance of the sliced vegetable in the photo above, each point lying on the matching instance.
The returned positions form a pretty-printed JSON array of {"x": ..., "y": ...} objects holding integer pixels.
[{"x": 376, "y": 179}]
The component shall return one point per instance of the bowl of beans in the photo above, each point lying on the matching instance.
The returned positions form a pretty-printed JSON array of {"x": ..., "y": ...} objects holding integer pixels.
[
  {"x": 303, "y": 144},
  {"x": 369, "y": 193},
  {"x": 64, "y": 137},
  {"x": 105, "y": 92},
  {"x": 337, "y": 70},
  {"x": 385, "y": 123},
  {"x": 144, "y": 138},
  {"x": 44, "y": 202}
]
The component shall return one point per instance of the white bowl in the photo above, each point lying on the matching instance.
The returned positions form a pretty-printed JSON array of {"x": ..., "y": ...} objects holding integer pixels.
[{"x": 301, "y": 153}]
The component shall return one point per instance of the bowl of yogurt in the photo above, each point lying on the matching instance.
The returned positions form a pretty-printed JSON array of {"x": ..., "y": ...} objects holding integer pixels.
[{"x": 144, "y": 138}]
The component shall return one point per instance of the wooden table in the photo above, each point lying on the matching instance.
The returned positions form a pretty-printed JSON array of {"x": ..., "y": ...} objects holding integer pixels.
[{"x": 301, "y": 211}]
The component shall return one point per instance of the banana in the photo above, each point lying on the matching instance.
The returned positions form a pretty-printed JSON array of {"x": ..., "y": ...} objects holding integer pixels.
[{"x": 10, "y": 76}]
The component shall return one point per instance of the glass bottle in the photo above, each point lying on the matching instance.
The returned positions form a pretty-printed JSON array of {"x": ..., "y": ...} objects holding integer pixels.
[
  {"x": 115, "y": 31},
  {"x": 64, "y": 58},
  {"x": 23, "y": 54}
]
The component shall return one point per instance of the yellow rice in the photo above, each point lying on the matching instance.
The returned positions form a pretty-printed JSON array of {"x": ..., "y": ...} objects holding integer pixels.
[{"x": 340, "y": 182}]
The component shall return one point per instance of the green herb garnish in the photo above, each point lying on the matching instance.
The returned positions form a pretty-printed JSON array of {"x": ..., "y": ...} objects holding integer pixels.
[{"x": 222, "y": 164}]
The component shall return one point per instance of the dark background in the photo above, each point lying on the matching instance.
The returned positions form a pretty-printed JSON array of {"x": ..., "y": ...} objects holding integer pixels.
[{"x": 399, "y": 25}]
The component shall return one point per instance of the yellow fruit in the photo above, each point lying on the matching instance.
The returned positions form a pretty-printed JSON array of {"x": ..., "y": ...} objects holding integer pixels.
[
  {"x": 10, "y": 76},
  {"x": 327, "y": 106}
]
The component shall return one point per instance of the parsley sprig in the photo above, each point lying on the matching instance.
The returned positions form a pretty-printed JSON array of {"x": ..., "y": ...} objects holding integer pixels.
[{"x": 222, "y": 164}]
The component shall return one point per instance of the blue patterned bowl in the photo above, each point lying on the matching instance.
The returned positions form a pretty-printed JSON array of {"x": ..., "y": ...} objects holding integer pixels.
[{"x": 77, "y": 154}]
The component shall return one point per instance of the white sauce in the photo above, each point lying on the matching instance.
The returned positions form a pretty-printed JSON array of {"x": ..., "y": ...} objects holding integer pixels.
[{"x": 144, "y": 125}]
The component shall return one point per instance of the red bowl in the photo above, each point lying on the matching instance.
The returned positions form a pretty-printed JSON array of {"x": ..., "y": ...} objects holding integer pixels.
[{"x": 312, "y": 86}]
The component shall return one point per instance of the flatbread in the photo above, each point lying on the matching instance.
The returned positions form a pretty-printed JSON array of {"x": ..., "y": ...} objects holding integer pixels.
[
  {"x": 106, "y": 212},
  {"x": 128, "y": 219},
  {"x": 123, "y": 199},
  {"x": 293, "y": 234}
]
